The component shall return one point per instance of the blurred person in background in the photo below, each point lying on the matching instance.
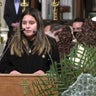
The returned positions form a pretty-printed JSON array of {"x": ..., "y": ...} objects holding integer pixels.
[{"x": 77, "y": 27}]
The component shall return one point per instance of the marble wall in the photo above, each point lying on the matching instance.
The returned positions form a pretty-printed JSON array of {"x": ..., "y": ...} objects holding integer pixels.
[
  {"x": 3, "y": 27},
  {"x": 3, "y": 24}
]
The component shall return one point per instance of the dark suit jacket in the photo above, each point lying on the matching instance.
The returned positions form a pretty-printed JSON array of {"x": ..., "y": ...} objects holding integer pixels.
[{"x": 10, "y": 15}]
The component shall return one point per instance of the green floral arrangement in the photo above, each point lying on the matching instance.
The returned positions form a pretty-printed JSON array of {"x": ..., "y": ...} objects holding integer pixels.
[{"x": 82, "y": 59}]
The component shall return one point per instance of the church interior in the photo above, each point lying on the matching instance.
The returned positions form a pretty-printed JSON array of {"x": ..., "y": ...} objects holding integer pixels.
[{"x": 63, "y": 11}]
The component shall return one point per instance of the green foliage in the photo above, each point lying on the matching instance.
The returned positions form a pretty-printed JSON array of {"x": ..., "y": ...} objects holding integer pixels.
[{"x": 82, "y": 59}]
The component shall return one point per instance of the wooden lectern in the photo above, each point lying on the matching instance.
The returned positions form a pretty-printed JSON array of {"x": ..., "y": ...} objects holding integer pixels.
[{"x": 18, "y": 85}]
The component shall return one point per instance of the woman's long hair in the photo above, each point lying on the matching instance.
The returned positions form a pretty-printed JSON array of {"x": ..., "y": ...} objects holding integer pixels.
[{"x": 41, "y": 44}]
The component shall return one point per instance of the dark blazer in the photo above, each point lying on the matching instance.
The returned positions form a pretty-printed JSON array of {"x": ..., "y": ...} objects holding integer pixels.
[
  {"x": 29, "y": 63},
  {"x": 10, "y": 15}
]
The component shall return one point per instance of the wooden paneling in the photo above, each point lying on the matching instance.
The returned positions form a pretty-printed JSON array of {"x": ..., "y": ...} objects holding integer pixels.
[
  {"x": 19, "y": 85},
  {"x": 35, "y": 4},
  {"x": 80, "y": 7},
  {"x": 90, "y": 7},
  {"x": 63, "y": 9}
]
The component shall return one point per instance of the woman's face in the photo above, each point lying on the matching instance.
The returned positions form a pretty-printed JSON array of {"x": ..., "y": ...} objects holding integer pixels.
[{"x": 29, "y": 24}]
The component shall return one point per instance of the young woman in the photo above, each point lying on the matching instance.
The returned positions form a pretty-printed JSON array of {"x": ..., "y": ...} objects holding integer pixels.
[{"x": 30, "y": 51}]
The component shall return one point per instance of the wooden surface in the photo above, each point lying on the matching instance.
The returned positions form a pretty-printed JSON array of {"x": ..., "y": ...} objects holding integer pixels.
[{"x": 17, "y": 85}]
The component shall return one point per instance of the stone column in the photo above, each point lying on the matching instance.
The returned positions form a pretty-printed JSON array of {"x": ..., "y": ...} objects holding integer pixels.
[
  {"x": 3, "y": 27},
  {"x": 44, "y": 9},
  {"x": 3, "y": 24}
]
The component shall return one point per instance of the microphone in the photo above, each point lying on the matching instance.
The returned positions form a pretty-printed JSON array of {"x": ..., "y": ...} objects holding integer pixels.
[
  {"x": 35, "y": 32},
  {"x": 23, "y": 29}
]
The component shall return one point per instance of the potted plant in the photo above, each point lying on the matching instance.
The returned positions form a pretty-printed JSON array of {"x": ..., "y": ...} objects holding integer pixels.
[{"x": 81, "y": 60}]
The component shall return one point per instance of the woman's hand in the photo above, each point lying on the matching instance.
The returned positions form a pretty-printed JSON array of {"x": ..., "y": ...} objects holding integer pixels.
[
  {"x": 39, "y": 72},
  {"x": 15, "y": 72}
]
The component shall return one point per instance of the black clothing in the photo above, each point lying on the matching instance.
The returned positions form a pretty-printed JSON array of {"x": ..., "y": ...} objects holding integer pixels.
[
  {"x": 10, "y": 15},
  {"x": 29, "y": 63}
]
